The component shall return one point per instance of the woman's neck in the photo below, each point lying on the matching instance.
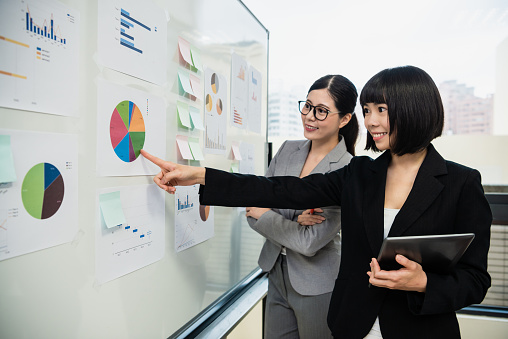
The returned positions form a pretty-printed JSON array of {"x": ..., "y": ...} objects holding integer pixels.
[
  {"x": 320, "y": 148},
  {"x": 408, "y": 161}
]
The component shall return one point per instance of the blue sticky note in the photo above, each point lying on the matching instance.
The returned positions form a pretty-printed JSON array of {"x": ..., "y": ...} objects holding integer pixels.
[
  {"x": 111, "y": 208},
  {"x": 7, "y": 170}
]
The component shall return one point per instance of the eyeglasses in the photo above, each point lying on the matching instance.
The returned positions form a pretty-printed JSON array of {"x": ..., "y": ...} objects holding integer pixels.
[{"x": 320, "y": 113}]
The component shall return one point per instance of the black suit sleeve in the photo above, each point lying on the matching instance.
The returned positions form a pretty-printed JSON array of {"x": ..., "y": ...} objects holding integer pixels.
[{"x": 239, "y": 190}]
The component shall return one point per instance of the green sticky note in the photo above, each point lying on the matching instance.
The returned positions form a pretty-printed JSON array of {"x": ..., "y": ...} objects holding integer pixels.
[
  {"x": 7, "y": 170},
  {"x": 183, "y": 114},
  {"x": 235, "y": 168},
  {"x": 196, "y": 58},
  {"x": 111, "y": 208},
  {"x": 185, "y": 82},
  {"x": 196, "y": 149},
  {"x": 196, "y": 120}
]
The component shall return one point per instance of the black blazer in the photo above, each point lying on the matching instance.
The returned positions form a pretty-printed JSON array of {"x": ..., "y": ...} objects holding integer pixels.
[{"x": 446, "y": 198}]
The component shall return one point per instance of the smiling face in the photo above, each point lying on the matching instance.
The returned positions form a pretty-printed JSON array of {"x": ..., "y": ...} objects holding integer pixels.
[
  {"x": 378, "y": 125},
  {"x": 328, "y": 129}
]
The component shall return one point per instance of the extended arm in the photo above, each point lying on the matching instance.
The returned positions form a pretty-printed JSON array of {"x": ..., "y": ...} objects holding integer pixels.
[
  {"x": 221, "y": 188},
  {"x": 238, "y": 190}
]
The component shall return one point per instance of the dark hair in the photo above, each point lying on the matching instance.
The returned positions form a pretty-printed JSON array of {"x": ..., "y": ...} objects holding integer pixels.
[
  {"x": 344, "y": 95},
  {"x": 415, "y": 109}
]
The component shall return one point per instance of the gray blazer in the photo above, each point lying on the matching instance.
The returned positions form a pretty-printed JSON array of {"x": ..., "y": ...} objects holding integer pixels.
[{"x": 312, "y": 252}]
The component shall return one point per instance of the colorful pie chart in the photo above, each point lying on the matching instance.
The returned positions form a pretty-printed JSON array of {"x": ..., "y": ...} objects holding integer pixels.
[
  {"x": 42, "y": 190},
  {"x": 127, "y": 131},
  {"x": 208, "y": 104},
  {"x": 215, "y": 83},
  {"x": 219, "y": 106},
  {"x": 204, "y": 212}
]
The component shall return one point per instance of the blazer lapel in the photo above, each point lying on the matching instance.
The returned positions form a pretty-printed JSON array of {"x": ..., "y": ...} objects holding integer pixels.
[
  {"x": 373, "y": 202},
  {"x": 425, "y": 190},
  {"x": 325, "y": 165},
  {"x": 297, "y": 160}
]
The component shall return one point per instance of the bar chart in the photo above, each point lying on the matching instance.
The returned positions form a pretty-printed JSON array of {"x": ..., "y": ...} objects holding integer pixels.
[
  {"x": 132, "y": 38},
  {"x": 127, "y": 22},
  {"x": 184, "y": 204},
  {"x": 50, "y": 31},
  {"x": 39, "y": 42}
]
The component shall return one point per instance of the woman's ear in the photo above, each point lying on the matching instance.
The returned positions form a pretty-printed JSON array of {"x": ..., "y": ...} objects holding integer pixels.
[{"x": 344, "y": 120}]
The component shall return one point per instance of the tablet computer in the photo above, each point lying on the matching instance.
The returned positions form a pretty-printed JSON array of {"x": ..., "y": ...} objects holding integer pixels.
[{"x": 436, "y": 253}]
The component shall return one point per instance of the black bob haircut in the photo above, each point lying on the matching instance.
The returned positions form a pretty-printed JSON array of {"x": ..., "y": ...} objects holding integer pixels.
[{"x": 415, "y": 109}]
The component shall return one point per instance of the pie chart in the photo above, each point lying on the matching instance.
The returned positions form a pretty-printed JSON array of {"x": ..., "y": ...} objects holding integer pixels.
[
  {"x": 42, "y": 190},
  {"x": 208, "y": 102},
  {"x": 219, "y": 106},
  {"x": 127, "y": 131},
  {"x": 215, "y": 83},
  {"x": 204, "y": 212}
]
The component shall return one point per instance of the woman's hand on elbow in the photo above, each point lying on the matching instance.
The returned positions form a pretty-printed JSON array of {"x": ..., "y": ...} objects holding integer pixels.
[
  {"x": 411, "y": 277},
  {"x": 255, "y": 212},
  {"x": 309, "y": 218}
]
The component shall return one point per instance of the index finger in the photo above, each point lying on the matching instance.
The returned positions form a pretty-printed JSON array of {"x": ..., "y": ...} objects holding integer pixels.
[{"x": 159, "y": 162}]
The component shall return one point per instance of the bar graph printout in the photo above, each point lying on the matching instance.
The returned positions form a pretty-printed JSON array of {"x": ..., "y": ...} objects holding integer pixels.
[
  {"x": 135, "y": 244},
  {"x": 193, "y": 222},
  {"x": 132, "y": 38},
  {"x": 39, "y": 44},
  {"x": 40, "y": 209}
]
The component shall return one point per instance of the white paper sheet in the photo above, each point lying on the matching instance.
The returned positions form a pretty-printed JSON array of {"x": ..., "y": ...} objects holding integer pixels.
[
  {"x": 239, "y": 91},
  {"x": 40, "y": 209},
  {"x": 132, "y": 38},
  {"x": 194, "y": 223},
  {"x": 137, "y": 243},
  {"x": 215, "y": 112},
  {"x": 39, "y": 47},
  {"x": 254, "y": 108},
  {"x": 119, "y": 139}
]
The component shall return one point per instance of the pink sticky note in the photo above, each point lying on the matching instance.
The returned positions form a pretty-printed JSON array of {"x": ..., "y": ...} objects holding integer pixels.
[
  {"x": 196, "y": 86},
  {"x": 184, "y": 47},
  {"x": 236, "y": 151},
  {"x": 183, "y": 146}
]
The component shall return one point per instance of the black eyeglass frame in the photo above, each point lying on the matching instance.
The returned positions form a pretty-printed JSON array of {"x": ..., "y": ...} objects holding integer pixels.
[{"x": 313, "y": 108}]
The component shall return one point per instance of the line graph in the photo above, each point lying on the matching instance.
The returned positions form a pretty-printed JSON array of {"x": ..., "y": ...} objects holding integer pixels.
[{"x": 193, "y": 222}]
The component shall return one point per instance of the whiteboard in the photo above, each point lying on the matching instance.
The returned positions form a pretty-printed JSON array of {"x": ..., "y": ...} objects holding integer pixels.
[{"x": 53, "y": 293}]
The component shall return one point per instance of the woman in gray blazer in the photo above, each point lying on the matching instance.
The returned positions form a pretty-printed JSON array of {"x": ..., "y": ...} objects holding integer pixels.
[{"x": 303, "y": 260}]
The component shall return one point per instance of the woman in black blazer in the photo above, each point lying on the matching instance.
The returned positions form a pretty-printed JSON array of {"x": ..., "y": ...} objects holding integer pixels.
[{"x": 408, "y": 190}]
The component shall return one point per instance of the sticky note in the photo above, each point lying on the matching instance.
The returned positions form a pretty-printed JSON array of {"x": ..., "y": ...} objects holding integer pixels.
[
  {"x": 197, "y": 153},
  {"x": 185, "y": 82},
  {"x": 183, "y": 114},
  {"x": 235, "y": 149},
  {"x": 7, "y": 169},
  {"x": 183, "y": 146},
  {"x": 234, "y": 168},
  {"x": 184, "y": 47},
  {"x": 196, "y": 120},
  {"x": 196, "y": 86},
  {"x": 111, "y": 208},
  {"x": 196, "y": 58}
]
